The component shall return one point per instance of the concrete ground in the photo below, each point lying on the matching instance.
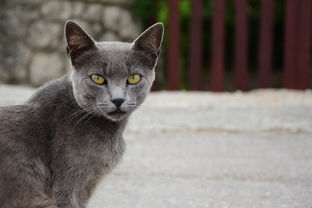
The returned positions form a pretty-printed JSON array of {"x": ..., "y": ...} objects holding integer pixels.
[{"x": 226, "y": 150}]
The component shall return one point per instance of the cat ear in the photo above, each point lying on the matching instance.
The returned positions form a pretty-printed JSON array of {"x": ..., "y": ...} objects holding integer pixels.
[
  {"x": 78, "y": 40},
  {"x": 150, "y": 40}
]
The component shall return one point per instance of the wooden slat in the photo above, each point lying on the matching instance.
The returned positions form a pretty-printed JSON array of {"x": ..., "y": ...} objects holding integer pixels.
[
  {"x": 195, "y": 45},
  {"x": 174, "y": 72},
  {"x": 241, "y": 45},
  {"x": 304, "y": 41},
  {"x": 218, "y": 32},
  {"x": 290, "y": 49},
  {"x": 265, "y": 44}
]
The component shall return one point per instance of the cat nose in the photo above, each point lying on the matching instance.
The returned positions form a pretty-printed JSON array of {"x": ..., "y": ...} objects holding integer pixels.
[{"x": 118, "y": 101}]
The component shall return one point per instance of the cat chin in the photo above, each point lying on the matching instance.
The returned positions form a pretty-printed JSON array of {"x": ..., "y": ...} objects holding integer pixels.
[{"x": 115, "y": 116}]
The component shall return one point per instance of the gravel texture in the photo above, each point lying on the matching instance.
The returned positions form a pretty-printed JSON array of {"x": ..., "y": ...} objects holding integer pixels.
[{"x": 216, "y": 150}]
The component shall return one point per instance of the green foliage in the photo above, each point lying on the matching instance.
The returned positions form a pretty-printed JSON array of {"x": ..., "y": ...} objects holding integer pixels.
[
  {"x": 143, "y": 9},
  {"x": 185, "y": 8},
  {"x": 162, "y": 14}
]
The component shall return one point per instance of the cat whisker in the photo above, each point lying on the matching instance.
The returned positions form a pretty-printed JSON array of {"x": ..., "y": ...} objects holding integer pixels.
[
  {"x": 79, "y": 113},
  {"x": 90, "y": 112},
  {"x": 92, "y": 116},
  {"x": 76, "y": 115},
  {"x": 102, "y": 104}
]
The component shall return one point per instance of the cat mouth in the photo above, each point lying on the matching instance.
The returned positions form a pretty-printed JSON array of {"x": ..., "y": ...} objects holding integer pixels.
[{"x": 117, "y": 112}]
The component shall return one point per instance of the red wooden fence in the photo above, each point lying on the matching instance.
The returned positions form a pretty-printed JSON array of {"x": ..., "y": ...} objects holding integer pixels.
[
  {"x": 297, "y": 45},
  {"x": 218, "y": 30},
  {"x": 195, "y": 46},
  {"x": 265, "y": 44},
  {"x": 174, "y": 74},
  {"x": 241, "y": 46},
  {"x": 304, "y": 45}
]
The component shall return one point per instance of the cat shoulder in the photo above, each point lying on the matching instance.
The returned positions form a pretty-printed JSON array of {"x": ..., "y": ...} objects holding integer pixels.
[{"x": 51, "y": 91}]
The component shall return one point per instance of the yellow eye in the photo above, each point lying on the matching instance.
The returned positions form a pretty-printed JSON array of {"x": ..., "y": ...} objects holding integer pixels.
[
  {"x": 97, "y": 79},
  {"x": 133, "y": 79}
]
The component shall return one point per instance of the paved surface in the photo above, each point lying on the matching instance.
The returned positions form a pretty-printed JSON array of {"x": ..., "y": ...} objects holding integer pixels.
[{"x": 224, "y": 150}]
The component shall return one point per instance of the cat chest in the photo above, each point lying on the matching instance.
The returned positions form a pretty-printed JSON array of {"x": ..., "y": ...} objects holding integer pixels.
[
  {"x": 107, "y": 156},
  {"x": 87, "y": 164},
  {"x": 100, "y": 164},
  {"x": 90, "y": 154}
]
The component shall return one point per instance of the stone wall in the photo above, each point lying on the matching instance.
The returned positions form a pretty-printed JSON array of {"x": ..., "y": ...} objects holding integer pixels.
[{"x": 32, "y": 46}]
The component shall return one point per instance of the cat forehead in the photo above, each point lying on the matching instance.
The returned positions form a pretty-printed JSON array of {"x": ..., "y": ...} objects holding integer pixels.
[
  {"x": 115, "y": 52},
  {"x": 122, "y": 52},
  {"x": 113, "y": 58},
  {"x": 114, "y": 46},
  {"x": 107, "y": 52}
]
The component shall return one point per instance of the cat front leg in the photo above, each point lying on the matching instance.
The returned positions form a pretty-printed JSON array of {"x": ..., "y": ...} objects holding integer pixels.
[
  {"x": 68, "y": 191},
  {"x": 68, "y": 199}
]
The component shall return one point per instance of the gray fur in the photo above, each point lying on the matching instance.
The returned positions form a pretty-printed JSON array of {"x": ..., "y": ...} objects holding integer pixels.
[{"x": 62, "y": 141}]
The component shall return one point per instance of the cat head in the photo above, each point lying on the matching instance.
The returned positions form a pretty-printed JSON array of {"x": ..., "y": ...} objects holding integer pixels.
[{"x": 112, "y": 79}]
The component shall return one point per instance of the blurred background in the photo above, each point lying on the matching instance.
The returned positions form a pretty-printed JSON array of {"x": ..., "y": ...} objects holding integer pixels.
[{"x": 213, "y": 45}]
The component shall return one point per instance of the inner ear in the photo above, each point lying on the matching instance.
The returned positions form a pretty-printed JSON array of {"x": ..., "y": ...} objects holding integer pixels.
[
  {"x": 78, "y": 40},
  {"x": 150, "y": 40}
]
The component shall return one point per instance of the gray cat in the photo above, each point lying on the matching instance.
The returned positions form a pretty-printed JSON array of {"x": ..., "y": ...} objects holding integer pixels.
[{"x": 57, "y": 146}]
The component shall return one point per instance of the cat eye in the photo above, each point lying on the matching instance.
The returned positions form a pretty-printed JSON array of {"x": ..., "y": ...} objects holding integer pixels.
[
  {"x": 134, "y": 79},
  {"x": 98, "y": 79}
]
